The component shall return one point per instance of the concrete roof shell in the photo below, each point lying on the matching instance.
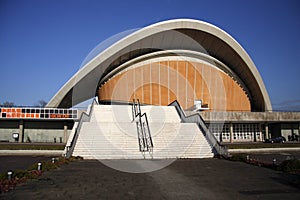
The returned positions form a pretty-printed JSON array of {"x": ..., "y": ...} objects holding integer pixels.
[{"x": 161, "y": 36}]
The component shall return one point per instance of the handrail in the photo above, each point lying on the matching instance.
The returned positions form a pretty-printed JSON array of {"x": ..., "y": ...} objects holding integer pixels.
[
  {"x": 145, "y": 134},
  {"x": 143, "y": 130},
  {"x": 148, "y": 136},
  {"x": 196, "y": 118},
  {"x": 85, "y": 117},
  {"x": 141, "y": 138},
  {"x": 136, "y": 109},
  {"x": 133, "y": 109}
]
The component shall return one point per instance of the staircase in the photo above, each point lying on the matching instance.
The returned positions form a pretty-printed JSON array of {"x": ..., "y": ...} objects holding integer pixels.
[{"x": 111, "y": 133}]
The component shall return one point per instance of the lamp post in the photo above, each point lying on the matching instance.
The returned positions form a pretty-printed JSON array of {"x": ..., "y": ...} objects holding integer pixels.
[
  {"x": 39, "y": 166},
  {"x": 9, "y": 175}
]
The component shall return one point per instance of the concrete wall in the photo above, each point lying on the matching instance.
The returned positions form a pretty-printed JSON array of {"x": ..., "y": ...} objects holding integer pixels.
[
  {"x": 36, "y": 130},
  {"x": 7, "y": 128},
  {"x": 44, "y": 135},
  {"x": 6, "y": 134}
]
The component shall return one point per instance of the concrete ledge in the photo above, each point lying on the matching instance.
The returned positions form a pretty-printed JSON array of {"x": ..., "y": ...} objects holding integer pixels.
[
  {"x": 31, "y": 152},
  {"x": 251, "y": 116},
  {"x": 263, "y": 150}
]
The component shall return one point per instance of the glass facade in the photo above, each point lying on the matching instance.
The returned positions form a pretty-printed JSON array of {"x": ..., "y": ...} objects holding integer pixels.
[{"x": 242, "y": 132}]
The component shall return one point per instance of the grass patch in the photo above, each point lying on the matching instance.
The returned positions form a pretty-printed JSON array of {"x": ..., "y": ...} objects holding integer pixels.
[
  {"x": 32, "y": 147},
  {"x": 288, "y": 166},
  {"x": 262, "y": 145},
  {"x": 21, "y": 176}
]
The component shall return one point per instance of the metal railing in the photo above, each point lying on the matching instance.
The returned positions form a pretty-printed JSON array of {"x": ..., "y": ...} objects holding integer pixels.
[
  {"x": 218, "y": 148},
  {"x": 143, "y": 129},
  {"x": 85, "y": 117}
]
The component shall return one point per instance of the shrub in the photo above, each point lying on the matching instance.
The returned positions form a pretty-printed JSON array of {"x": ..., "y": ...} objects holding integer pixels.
[
  {"x": 239, "y": 157},
  {"x": 21, "y": 176},
  {"x": 46, "y": 166},
  {"x": 291, "y": 166},
  {"x": 75, "y": 158},
  {"x": 3, "y": 176}
]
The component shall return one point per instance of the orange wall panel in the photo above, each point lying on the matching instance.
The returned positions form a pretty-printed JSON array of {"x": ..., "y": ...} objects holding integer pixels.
[
  {"x": 164, "y": 97},
  {"x": 146, "y": 84},
  {"x": 172, "y": 79},
  {"x": 160, "y": 83},
  {"x": 147, "y": 93}
]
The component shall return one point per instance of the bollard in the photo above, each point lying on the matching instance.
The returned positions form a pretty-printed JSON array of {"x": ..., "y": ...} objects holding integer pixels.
[
  {"x": 274, "y": 161},
  {"x": 9, "y": 175},
  {"x": 39, "y": 166},
  {"x": 53, "y": 160}
]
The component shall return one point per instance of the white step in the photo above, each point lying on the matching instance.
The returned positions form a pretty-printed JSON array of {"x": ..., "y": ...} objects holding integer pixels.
[
  {"x": 111, "y": 135},
  {"x": 159, "y": 114},
  {"x": 121, "y": 113}
]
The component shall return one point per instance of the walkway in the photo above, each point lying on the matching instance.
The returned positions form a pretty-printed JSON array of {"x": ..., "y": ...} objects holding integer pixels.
[{"x": 184, "y": 179}]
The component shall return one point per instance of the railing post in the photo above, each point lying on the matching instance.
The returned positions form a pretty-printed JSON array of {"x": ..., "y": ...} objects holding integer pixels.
[
  {"x": 133, "y": 110},
  {"x": 139, "y": 106},
  {"x": 142, "y": 131},
  {"x": 145, "y": 138}
]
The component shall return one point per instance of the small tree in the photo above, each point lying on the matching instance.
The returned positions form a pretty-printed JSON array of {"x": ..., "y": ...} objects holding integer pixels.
[
  {"x": 41, "y": 103},
  {"x": 8, "y": 104}
]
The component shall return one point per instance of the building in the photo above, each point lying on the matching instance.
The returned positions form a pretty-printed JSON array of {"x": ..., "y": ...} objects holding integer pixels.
[
  {"x": 29, "y": 124},
  {"x": 196, "y": 63},
  {"x": 193, "y": 62}
]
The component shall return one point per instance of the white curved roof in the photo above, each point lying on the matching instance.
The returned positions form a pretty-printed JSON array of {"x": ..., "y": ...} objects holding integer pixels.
[{"x": 166, "y": 35}]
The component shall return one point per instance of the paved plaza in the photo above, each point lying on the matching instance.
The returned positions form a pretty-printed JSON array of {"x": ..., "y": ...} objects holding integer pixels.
[{"x": 183, "y": 179}]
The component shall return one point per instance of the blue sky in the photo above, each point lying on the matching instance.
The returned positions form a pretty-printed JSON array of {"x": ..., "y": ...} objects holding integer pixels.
[{"x": 43, "y": 42}]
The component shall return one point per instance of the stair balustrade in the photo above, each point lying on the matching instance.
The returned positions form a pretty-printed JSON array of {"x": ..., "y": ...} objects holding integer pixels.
[
  {"x": 85, "y": 117},
  {"x": 143, "y": 130},
  {"x": 196, "y": 118}
]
